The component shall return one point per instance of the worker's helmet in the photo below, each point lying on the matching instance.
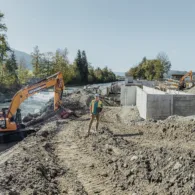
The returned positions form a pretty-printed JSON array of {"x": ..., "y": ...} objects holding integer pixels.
[{"x": 97, "y": 95}]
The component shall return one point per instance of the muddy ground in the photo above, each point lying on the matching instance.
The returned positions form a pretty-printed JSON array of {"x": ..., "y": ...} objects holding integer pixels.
[{"x": 128, "y": 155}]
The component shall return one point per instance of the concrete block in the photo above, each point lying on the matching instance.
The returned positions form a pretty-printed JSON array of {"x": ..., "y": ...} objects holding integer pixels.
[
  {"x": 183, "y": 105},
  {"x": 158, "y": 106},
  {"x": 150, "y": 90},
  {"x": 141, "y": 102},
  {"x": 128, "y": 79},
  {"x": 128, "y": 95}
]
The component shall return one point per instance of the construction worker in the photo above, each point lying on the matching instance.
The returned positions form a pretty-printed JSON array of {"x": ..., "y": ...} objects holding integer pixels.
[
  {"x": 95, "y": 110},
  {"x": 18, "y": 118}
]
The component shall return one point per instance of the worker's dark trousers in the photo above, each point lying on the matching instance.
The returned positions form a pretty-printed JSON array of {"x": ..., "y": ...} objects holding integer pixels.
[{"x": 97, "y": 116}]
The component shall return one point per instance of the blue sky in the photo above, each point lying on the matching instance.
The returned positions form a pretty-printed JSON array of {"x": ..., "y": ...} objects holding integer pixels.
[{"x": 114, "y": 33}]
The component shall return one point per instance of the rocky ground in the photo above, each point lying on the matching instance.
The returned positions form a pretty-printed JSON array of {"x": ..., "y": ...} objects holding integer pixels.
[
  {"x": 128, "y": 155},
  {"x": 191, "y": 91}
]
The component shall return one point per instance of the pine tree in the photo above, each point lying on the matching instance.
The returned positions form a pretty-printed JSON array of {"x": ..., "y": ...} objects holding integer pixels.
[
  {"x": 11, "y": 64},
  {"x": 4, "y": 47},
  {"x": 36, "y": 61},
  {"x": 84, "y": 67},
  {"x": 22, "y": 72},
  {"x": 11, "y": 69},
  {"x": 79, "y": 65},
  {"x": 48, "y": 63}
]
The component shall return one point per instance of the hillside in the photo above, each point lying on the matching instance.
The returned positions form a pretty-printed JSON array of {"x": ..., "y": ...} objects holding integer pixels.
[{"x": 27, "y": 57}]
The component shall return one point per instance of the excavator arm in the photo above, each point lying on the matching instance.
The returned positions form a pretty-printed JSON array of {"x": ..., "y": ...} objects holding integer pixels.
[
  {"x": 182, "y": 83},
  {"x": 55, "y": 80},
  {"x": 189, "y": 74}
]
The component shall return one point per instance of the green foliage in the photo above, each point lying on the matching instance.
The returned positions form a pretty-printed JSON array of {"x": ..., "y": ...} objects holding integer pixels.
[
  {"x": 164, "y": 61},
  {"x": 11, "y": 69},
  {"x": 61, "y": 63},
  {"x": 151, "y": 69},
  {"x": 4, "y": 47},
  {"x": 23, "y": 73},
  {"x": 36, "y": 61},
  {"x": 85, "y": 73},
  {"x": 84, "y": 67}
]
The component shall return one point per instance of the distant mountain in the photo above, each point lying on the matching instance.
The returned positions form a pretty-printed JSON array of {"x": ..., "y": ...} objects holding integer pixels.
[
  {"x": 25, "y": 56},
  {"x": 119, "y": 73}
]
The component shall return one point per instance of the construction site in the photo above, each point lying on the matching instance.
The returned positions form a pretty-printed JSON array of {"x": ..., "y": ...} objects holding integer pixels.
[{"x": 144, "y": 145}]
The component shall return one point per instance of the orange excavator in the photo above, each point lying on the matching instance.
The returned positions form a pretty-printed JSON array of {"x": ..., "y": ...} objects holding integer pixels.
[
  {"x": 182, "y": 83},
  {"x": 10, "y": 118}
]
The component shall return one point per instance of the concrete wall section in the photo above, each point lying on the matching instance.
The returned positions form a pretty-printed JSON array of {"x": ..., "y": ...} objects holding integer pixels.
[
  {"x": 129, "y": 79},
  {"x": 150, "y": 90},
  {"x": 158, "y": 106},
  {"x": 169, "y": 91},
  {"x": 184, "y": 105},
  {"x": 146, "y": 83},
  {"x": 141, "y": 102},
  {"x": 128, "y": 96}
]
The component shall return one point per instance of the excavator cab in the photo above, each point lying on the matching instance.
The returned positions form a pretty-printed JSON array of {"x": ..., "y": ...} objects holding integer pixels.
[
  {"x": 182, "y": 82},
  {"x": 3, "y": 115},
  {"x": 4, "y": 121}
]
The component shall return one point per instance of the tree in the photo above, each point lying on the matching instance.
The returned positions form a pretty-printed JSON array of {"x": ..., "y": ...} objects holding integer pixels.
[
  {"x": 22, "y": 72},
  {"x": 61, "y": 64},
  {"x": 84, "y": 67},
  {"x": 79, "y": 65},
  {"x": 4, "y": 47},
  {"x": 2, "y": 25},
  {"x": 91, "y": 74},
  {"x": 151, "y": 69},
  {"x": 47, "y": 64},
  {"x": 36, "y": 61},
  {"x": 11, "y": 68},
  {"x": 98, "y": 74},
  {"x": 11, "y": 64},
  {"x": 164, "y": 59}
]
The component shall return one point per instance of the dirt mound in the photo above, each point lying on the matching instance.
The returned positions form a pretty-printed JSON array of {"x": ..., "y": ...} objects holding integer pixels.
[
  {"x": 144, "y": 170},
  {"x": 192, "y": 90},
  {"x": 77, "y": 102},
  {"x": 33, "y": 168},
  {"x": 128, "y": 155},
  {"x": 147, "y": 163}
]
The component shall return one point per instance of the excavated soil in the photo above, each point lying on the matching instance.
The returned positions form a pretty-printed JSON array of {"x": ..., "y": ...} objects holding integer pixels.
[
  {"x": 192, "y": 90},
  {"x": 128, "y": 155}
]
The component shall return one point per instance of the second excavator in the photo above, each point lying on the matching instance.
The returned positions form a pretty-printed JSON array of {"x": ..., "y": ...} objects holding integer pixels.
[
  {"x": 182, "y": 82},
  {"x": 10, "y": 118}
]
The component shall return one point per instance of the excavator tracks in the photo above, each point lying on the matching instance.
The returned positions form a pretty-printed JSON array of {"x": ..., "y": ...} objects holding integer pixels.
[{"x": 15, "y": 136}]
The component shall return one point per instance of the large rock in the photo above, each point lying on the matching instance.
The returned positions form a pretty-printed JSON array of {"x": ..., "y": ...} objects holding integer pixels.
[{"x": 28, "y": 118}]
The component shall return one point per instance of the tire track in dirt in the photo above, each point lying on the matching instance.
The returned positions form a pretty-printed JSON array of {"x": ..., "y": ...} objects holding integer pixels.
[{"x": 76, "y": 156}]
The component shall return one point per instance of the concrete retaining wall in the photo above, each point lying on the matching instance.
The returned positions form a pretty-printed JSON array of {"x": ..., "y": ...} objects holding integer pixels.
[
  {"x": 141, "y": 102},
  {"x": 169, "y": 91},
  {"x": 150, "y": 90},
  {"x": 128, "y": 96},
  {"x": 159, "y": 106},
  {"x": 153, "y": 103},
  {"x": 184, "y": 105}
]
